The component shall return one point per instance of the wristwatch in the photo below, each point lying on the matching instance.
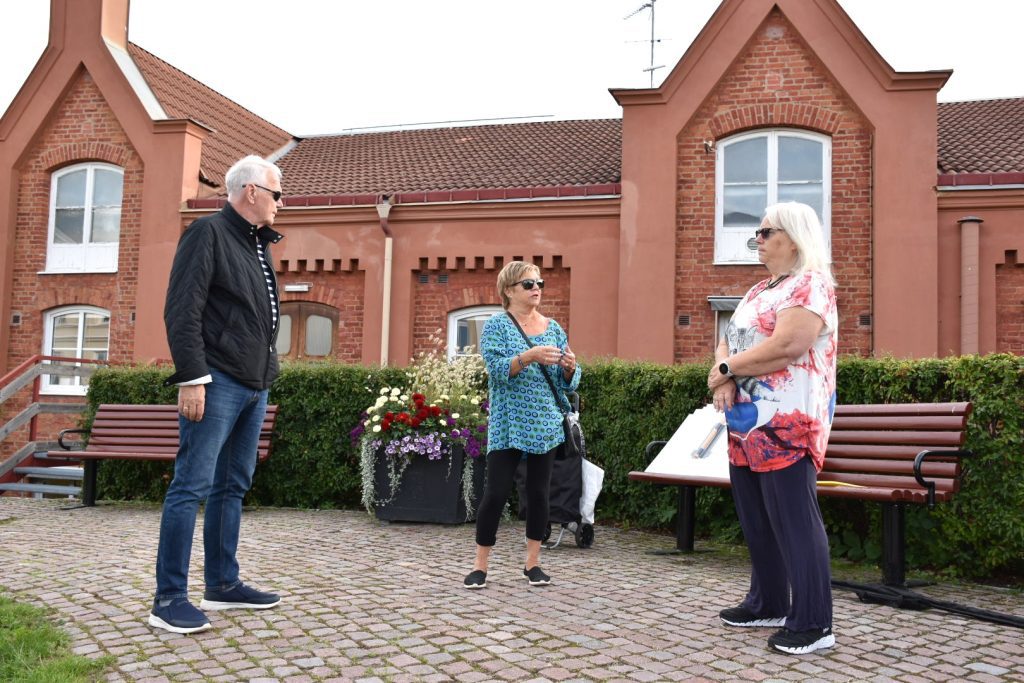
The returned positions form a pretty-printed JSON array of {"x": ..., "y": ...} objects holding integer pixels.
[{"x": 723, "y": 368}]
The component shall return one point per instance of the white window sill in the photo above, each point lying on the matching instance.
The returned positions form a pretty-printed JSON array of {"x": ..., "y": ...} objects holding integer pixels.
[
  {"x": 63, "y": 391},
  {"x": 76, "y": 272}
]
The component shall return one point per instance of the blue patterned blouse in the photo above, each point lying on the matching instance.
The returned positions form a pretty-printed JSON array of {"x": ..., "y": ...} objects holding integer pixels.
[{"x": 523, "y": 413}]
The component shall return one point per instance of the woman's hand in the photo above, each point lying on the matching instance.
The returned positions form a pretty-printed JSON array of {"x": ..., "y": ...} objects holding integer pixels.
[
  {"x": 724, "y": 396},
  {"x": 545, "y": 355},
  {"x": 568, "y": 362},
  {"x": 716, "y": 379}
]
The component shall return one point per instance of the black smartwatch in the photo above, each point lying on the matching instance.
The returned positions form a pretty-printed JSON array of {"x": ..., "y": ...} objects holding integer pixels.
[{"x": 723, "y": 368}]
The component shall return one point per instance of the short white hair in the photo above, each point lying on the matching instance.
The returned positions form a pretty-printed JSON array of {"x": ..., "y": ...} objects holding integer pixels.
[
  {"x": 250, "y": 169},
  {"x": 801, "y": 224}
]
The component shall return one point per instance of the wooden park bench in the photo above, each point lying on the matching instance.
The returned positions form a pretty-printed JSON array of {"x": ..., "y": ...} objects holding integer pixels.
[
  {"x": 894, "y": 454},
  {"x": 135, "y": 432}
]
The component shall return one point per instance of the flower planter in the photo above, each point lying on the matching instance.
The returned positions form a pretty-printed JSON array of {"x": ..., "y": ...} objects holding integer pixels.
[{"x": 429, "y": 490}]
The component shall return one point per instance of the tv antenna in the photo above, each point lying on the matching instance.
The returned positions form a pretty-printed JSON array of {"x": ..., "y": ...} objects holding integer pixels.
[{"x": 648, "y": 5}]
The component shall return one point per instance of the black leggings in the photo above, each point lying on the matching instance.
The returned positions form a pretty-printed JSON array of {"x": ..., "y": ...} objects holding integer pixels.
[{"x": 501, "y": 471}]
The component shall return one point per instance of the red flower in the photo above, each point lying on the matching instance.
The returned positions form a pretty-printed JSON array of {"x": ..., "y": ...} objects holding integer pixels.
[
  {"x": 389, "y": 416},
  {"x": 422, "y": 413},
  {"x": 435, "y": 411},
  {"x": 415, "y": 422},
  {"x": 418, "y": 398}
]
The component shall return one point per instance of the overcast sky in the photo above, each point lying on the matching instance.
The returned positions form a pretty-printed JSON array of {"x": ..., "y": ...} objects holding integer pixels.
[{"x": 327, "y": 67}]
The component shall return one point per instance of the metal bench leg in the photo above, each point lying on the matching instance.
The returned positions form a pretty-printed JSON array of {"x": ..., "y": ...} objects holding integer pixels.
[
  {"x": 89, "y": 468},
  {"x": 685, "y": 518},
  {"x": 894, "y": 547}
]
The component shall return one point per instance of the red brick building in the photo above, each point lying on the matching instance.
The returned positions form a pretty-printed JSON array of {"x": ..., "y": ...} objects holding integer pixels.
[{"x": 641, "y": 225}]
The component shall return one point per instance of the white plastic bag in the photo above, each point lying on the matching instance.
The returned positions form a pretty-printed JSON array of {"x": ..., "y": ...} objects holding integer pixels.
[{"x": 593, "y": 479}]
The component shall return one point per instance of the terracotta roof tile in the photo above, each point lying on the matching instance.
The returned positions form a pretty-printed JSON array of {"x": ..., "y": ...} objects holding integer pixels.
[
  {"x": 236, "y": 130},
  {"x": 540, "y": 154},
  {"x": 985, "y": 136}
]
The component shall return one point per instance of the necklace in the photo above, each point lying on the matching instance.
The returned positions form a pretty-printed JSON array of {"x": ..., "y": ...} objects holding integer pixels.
[{"x": 776, "y": 281}]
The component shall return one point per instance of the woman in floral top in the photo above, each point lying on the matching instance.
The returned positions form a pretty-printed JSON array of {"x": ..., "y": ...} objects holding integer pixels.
[
  {"x": 775, "y": 378},
  {"x": 524, "y": 419}
]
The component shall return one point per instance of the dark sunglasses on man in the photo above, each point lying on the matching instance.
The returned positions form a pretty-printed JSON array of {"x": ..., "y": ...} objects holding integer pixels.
[
  {"x": 276, "y": 194},
  {"x": 529, "y": 283}
]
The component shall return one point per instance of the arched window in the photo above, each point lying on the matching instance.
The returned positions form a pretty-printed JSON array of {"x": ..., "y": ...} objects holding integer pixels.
[
  {"x": 85, "y": 219},
  {"x": 464, "y": 327},
  {"x": 756, "y": 169},
  {"x": 307, "y": 330},
  {"x": 74, "y": 332}
]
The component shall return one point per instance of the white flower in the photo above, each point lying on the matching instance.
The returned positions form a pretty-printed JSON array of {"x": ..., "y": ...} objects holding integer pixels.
[
  {"x": 444, "y": 397},
  {"x": 396, "y": 391},
  {"x": 384, "y": 391},
  {"x": 455, "y": 416},
  {"x": 366, "y": 424},
  {"x": 463, "y": 397},
  {"x": 403, "y": 398},
  {"x": 376, "y": 418},
  {"x": 381, "y": 400},
  {"x": 376, "y": 428},
  {"x": 475, "y": 401}
]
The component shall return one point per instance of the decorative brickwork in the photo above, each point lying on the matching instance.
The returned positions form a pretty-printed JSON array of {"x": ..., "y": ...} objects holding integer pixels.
[
  {"x": 1010, "y": 305},
  {"x": 776, "y": 82},
  {"x": 342, "y": 291},
  {"x": 435, "y": 299},
  {"x": 83, "y": 128}
]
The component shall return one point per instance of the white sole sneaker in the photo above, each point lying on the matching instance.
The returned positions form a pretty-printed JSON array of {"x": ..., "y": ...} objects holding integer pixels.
[
  {"x": 757, "y": 623},
  {"x": 157, "y": 622},
  {"x": 822, "y": 643},
  {"x": 214, "y": 605}
]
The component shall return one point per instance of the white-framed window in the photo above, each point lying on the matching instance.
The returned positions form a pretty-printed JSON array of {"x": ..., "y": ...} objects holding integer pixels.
[
  {"x": 74, "y": 332},
  {"x": 85, "y": 219},
  {"x": 723, "y": 308},
  {"x": 464, "y": 328},
  {"x": 306, "y": 330},
  {"x": 753, "y": 170}
]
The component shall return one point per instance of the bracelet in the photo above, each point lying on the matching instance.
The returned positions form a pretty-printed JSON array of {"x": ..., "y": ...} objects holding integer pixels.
[{"x": 519, "y": 359}]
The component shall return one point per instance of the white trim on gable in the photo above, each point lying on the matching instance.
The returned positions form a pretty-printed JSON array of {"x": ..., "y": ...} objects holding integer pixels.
[{"x": 136, "y": 80}]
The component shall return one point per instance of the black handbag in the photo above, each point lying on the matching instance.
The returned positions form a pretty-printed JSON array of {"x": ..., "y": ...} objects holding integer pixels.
[{"x": 575, "y": 445}]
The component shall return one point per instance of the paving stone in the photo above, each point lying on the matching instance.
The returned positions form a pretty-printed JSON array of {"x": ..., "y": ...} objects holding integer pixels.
[{"x": 365, "y": 601}]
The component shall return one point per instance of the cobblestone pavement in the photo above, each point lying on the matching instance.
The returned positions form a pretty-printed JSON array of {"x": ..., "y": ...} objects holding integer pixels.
[{"x": 368, "y": 601}]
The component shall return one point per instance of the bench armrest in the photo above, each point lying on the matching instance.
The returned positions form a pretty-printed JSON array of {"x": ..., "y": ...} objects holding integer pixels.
[
  {"x": 60, "y": 437},
  {"x": 930, "y": 485},
  {"x": 650, "y": 452}
]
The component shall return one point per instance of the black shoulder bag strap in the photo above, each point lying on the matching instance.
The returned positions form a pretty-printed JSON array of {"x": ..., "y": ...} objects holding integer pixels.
[{"x": 547, "y": 377}]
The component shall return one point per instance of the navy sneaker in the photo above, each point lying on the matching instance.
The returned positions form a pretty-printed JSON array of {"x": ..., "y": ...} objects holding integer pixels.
[
  {"x": 177, "y": 615},
  {"x": 741, "y": 616},
  {"x": 536, "y": 577},
  {"x": 475, "y": 579},
  {"x": 801, "y": 642},
  {"x": 239, "y": 597}
]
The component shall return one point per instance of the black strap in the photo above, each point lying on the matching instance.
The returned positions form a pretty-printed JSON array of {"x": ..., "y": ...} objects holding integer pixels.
[{"x": 547, "y": 377}]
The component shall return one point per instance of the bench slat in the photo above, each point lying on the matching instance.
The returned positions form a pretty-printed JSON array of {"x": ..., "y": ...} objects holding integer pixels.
[
  {"x": 961, "y": 408},
  {"x": 876, "y": 451},
  {"x": 929, "y": 469},
  {"x": 900, "y": 422},
  {"x": 923, "y": 439}
]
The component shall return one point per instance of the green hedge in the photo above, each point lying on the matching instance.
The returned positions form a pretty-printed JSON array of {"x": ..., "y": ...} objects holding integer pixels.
[{"x": 626, "y": 404}]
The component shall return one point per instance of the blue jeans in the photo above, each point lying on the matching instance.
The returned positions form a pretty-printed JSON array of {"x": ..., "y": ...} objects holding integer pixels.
[{"x": 215, "y": 462}]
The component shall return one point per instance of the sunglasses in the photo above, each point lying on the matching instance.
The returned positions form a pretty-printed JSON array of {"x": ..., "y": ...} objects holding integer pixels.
[
  {"x": 276, "y": 194},
  {"x": 528, "y": 284},
  {"x": 765, "y": 233}
]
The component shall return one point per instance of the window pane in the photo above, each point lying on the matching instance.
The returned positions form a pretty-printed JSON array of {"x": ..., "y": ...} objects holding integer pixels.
[
  {"x": 807, "y": 193},
  {"x": 68, "y": 226},
  {"x": 318, "y": 335},
  {"x": 106, "y": 224},
  {"x": 799, "y": 159},
  {"x": 284, "y": 336},
  {"x": 747, "y": 161},
  {"x": 65, "y": 334},
  {"x": 71, "y": 189},
  {"x": 107, "y": 186},
  {"x": 469, "y": 334},
  {"x": 744, "y": 205},
  {"x": 97, "y": 332}
]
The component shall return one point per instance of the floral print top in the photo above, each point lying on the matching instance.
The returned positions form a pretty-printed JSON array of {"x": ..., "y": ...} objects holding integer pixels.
[
  {"x": 785, "y": 415},
  {"x": 523, "y": 413}
]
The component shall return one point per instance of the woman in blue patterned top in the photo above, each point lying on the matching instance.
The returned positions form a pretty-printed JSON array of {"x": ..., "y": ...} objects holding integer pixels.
[{"x": 524, "y": 419}]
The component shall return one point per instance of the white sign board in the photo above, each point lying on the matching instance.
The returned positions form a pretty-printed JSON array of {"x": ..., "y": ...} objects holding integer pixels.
[{"x": 699, "y": 448}]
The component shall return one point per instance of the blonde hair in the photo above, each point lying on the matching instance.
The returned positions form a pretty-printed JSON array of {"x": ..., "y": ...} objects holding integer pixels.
[
  {"x": 512, "y": 273},
  {"x": 801, "y": 224}
]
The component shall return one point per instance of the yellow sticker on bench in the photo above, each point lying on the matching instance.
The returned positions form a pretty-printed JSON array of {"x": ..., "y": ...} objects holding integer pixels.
[{"x": 840, "y": 483}]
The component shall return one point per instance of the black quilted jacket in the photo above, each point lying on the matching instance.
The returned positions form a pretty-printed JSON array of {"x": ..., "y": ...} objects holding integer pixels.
[{"x": 217, "y": 311}]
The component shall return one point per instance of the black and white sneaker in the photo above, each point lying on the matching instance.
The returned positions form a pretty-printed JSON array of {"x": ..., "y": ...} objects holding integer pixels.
[
  {"x": 801, "y": 642},
  {"x": 537, "y": 577},
  {"x": 741, "y": 616},
  {"x": 475, "y": 579}
]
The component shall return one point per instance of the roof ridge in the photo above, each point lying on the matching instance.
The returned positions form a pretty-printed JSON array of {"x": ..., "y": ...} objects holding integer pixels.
[
  {"x": 204, "y": 87},
  {"x": 985, "y": 99},
  {"x": 488, "y": 126}
]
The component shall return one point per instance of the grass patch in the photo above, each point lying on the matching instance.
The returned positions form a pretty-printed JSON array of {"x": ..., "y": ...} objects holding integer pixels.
[{"x": 34, "y": 650}]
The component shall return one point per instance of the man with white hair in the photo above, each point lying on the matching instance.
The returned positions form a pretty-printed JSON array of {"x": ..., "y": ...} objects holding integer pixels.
[{"x": 222, "y": 317}]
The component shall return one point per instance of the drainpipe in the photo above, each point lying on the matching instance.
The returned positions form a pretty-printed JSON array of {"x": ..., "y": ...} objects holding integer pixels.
[
  {"x": 384, "y": 203},
  {"x": 970, "y": 333}
]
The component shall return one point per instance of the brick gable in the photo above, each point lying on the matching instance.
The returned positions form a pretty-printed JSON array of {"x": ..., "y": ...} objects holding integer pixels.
[{"x": 775, "y": 82}]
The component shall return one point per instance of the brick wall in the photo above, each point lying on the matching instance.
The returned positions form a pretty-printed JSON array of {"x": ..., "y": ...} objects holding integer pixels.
[
  {"x": 1010, "y": 306},
  {"x": 435, "y": 299},
  {"x": 776, "y": 82},
  {"x": 83, "y": 128}
]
